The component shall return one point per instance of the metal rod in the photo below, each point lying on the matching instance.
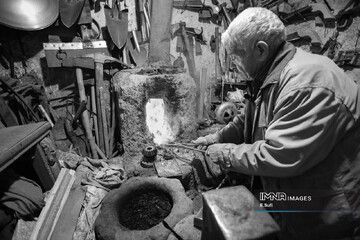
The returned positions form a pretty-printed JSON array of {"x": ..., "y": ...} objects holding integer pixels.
[
  {"x": 223, "y": 181},
  {"x": 183, "y": 146}
]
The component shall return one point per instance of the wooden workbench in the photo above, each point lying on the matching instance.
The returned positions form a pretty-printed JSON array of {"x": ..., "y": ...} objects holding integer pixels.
[{"x": 16, "y": 140}]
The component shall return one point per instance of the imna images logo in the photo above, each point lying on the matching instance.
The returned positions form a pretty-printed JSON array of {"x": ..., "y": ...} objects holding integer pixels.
[{"x": 281, "y": 196}]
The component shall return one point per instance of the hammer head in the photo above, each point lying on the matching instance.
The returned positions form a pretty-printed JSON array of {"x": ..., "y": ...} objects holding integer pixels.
[{"x": 176, "y": 29}]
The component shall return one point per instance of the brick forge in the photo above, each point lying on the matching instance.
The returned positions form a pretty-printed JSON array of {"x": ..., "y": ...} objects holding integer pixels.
[{"x": 135, "y": 87}]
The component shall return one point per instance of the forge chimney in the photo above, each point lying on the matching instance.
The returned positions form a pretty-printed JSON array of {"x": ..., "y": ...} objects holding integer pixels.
[{"x": 160, "y": 32}]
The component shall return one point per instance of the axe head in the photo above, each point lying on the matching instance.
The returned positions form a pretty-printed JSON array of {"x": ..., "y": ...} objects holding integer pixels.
[{"x": 176, "y": 29}]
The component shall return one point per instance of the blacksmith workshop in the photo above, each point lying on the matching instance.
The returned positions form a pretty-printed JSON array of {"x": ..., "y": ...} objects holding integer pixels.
[{"x": 179, "y": 119}]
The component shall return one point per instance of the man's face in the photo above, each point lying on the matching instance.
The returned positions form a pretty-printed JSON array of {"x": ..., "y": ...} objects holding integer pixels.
[{"x": 245, "y": 61}]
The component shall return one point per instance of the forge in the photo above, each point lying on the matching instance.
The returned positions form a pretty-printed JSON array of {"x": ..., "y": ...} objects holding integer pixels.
[{"x": 157, "y": 105}]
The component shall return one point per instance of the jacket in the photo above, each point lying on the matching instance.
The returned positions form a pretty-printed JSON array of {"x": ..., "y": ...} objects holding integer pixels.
[{"x": 302, "y": 134}]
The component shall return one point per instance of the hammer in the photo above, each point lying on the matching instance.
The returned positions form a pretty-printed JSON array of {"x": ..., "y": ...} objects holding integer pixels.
[
  {"x": 93, "y": 61},
  {"x": 99, "y": 60}
]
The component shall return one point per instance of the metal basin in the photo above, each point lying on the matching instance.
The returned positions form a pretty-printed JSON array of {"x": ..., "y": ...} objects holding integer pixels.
[{"x": 28, "y": 14}]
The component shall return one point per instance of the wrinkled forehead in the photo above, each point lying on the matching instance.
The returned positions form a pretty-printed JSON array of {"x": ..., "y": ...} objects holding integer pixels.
[{"x": 236, "y": 50}]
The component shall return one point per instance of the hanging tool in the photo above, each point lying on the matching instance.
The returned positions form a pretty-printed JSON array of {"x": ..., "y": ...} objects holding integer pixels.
[
  {"x": 139, "y": 57},
  {"x": 117, "y": 23},
  {"x": 345, "y": 16},
  {"x": 70, "y": 11},
  {"x": 222, "y": 11},
  {"x": 196, "y": 33},
  {"x": 307, "y": 34},
  {"x": 184, "y": 36},
  {"x": 179, "y": 62},
  {"x": 206, "y": 12},
  {"x": 141, "y": 21},
  {"x": 330, "y": 45}
]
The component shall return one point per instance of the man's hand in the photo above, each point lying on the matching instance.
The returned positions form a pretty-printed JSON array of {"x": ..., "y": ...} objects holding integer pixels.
[
  {"x": 203, "y": 142},
  {"x": 220, "y": 154},
  {"x": 200, "y": 143}
]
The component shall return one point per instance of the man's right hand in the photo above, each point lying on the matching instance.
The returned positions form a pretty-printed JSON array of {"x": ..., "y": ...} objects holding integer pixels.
[
  {"x": 207, "y": 140},
  {"x": 200, "y": 141}
]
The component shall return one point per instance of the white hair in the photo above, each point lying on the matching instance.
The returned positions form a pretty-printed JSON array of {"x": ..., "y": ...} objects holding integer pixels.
[{"x": 253, "y": 25}]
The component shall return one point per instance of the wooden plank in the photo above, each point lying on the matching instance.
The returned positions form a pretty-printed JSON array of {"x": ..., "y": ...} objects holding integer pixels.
[
  {"x": 46, "y": 209},
  {"x": 52, "y": 210},
  {"x": 64, "y": 198},
  {"x": 14, "y": 141},
  {"x": 66, "y": 224}
]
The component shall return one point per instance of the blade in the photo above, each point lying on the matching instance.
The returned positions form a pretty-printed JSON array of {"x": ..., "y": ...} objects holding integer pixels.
[
  {"x": 138, "y": 57},
  {"x": 117, "y": 27},
  {"x": 70, "y": 11}
]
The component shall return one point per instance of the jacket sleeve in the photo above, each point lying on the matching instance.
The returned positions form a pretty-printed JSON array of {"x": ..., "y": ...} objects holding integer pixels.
[
  {"x": 233, "y": 132},
  {"x": 304, "y": 130}
]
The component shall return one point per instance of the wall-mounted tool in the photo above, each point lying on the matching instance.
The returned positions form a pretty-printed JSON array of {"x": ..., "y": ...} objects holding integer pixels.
[
  {"x": 206, "y": 12},
  {"x": 141, "y": 21},
  {"x": 345, "y": 16},
  {"x": 117, "y": 23},
  {"x": 326, "y": 14},
  {"x": 179, "y": 62},
  {"x": 70, "y": 11},
  {"x": 289, "y": 14},
  {"x": 349, "y": 58},
  {"x": 316, "y": 42},
  {"x": 138, "y": 57},
  {"x": 195, "y": 33},
  {"x": 223, "y": 12},
  {"x": 330, "y": 45}
]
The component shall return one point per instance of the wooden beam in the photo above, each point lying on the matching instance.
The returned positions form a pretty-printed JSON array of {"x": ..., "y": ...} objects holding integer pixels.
[{"x": 54, "y": 205}]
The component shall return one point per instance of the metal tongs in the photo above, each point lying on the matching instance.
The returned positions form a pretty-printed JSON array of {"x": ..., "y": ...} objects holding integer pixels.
[{"x": 189, "y": 146}]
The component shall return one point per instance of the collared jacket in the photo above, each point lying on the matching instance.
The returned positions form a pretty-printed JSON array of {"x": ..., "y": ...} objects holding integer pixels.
[{"x": 303, "y": 133}]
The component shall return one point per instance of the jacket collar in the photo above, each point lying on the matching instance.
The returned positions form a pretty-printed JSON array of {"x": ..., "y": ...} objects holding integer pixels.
[{"x": 284, "y": 55}]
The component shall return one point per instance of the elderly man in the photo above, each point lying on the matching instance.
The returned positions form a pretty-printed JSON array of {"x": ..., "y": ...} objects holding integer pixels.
[{"x": 300, "y": 131}]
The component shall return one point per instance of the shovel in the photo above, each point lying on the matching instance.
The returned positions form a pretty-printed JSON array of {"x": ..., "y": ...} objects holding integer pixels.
[
  {"x": 70, "y": 11},
  {"x": 139, "y": 57},
  {"x": 117, "y": 23}
]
